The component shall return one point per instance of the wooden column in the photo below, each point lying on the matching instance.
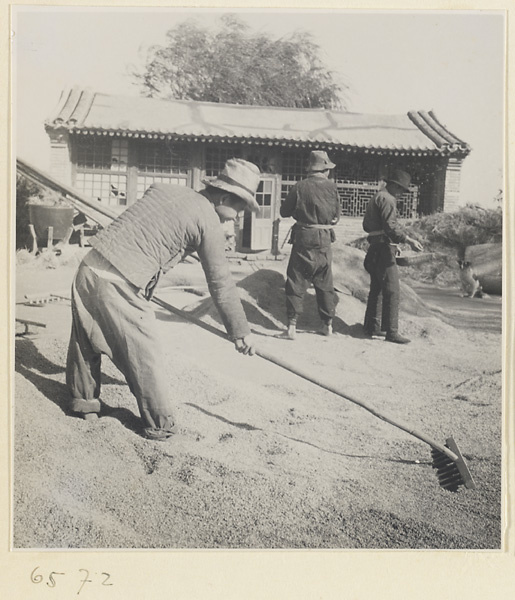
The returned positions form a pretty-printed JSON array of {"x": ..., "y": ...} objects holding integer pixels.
[
  {"x": 132, "y": 171},
  {"x": 197, "y": 165}
]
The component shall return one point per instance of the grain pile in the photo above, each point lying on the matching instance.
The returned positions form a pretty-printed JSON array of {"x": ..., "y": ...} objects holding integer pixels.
[{"x": 262, "y": 458}]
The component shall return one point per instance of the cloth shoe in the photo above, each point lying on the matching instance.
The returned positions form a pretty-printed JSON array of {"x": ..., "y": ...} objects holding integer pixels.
[
  {"x": 396, "y": 338},
  {"x": 327, "y": 329},
  {"x": 291, "y": 332},
  {"x": 374, "y": 332}
]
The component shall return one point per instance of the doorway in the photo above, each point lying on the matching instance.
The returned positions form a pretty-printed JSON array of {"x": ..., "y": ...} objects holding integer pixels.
[{"x": 256, "y": 232}]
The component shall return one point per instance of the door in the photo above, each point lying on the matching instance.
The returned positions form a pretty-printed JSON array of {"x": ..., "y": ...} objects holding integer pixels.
[{"x": 257, "y": 229}]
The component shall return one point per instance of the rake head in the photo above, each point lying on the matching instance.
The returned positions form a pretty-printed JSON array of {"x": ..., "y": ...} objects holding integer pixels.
[{"x": 451, "y": 474}]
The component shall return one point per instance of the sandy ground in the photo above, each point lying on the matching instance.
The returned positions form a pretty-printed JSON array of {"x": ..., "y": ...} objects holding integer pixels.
[{"x": 264, "y": 458}]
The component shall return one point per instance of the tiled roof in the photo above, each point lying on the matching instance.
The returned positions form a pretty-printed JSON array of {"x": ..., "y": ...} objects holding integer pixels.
[{"x": 417, "y": 132}]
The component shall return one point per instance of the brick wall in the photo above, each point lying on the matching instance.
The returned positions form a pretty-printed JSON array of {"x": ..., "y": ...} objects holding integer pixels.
[
  {"x": 60, "y": 163},
  {"x": 452, "y": 185}
]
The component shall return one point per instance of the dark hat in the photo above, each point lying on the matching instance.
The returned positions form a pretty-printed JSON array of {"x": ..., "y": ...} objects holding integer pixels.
[
  {"x": 319, "y": 161},
  {"x": 400, "y": 178}
]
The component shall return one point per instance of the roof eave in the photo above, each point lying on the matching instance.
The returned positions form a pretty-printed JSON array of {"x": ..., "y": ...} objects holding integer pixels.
[{"x": 283, "y": 142}]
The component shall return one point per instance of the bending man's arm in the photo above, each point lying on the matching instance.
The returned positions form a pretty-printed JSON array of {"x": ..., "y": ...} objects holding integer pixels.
[{"x": 211, "y": 251}]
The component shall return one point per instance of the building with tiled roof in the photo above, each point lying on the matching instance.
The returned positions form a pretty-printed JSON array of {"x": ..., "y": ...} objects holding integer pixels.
[{"x": 113, "y": 147}]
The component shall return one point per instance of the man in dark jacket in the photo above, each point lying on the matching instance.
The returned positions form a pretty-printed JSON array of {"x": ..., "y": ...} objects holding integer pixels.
[
  {"x": 314, "y": 204},
  {"x": 111, "y": 311},
  {"x": 384, "y": 233}
]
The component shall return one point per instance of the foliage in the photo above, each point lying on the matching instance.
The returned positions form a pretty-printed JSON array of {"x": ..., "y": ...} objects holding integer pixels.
[
  {"x": 28, "y": 193},
  {"x": 25, "y": 189},
  {"x": 48, "y": 198},
  {"x": 468, "y": 226},
  {"x": 233, "y": 64},
  {"x": 447, "y": 235}
]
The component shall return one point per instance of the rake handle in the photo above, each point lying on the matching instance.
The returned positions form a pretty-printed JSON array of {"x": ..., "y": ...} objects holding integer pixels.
[
  {"x": 317, "y": 381},
  {"x": 313, "y": 379}
]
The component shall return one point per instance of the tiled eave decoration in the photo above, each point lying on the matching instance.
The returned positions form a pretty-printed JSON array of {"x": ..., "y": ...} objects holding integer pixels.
[{"x": 454, "y": 150}]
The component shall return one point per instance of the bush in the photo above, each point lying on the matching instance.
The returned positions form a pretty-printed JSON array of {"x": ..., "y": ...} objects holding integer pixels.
[
  {"x": 28, "y": 193},
  {"x": 46, "y": 197},
  {"x": 447, "y": 235},
  {"x": 468, "y": 226}
]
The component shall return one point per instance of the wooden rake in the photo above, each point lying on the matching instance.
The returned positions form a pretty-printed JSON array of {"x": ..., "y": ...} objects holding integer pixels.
[{"x": 447, "y": 460}]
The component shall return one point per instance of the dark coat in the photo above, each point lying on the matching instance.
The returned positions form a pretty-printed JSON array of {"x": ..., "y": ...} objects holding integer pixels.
[{"x": 381, "y": 215}]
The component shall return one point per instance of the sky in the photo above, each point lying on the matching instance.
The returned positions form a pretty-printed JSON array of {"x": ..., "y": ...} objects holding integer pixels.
[{"x": 451, "y": 62}]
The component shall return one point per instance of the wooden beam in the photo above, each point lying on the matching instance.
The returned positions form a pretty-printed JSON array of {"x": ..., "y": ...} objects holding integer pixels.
[{"x": 97, "y": 212}]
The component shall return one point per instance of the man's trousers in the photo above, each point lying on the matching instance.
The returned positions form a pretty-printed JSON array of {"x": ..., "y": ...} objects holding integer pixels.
[
  {"x": 110, "y": 316},
  {"x": 380, "y": 263},
  {"x": 310, "y": 265}
]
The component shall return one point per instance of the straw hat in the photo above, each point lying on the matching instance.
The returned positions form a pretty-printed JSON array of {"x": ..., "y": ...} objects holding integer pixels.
[
  {"x": 241, "y": 178},
  {"x": 400, "y": 178},
  {"x": 319, "y": 161}
]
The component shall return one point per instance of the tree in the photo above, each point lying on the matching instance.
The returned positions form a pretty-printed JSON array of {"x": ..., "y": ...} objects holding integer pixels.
[{"x": 233, "y": 64}]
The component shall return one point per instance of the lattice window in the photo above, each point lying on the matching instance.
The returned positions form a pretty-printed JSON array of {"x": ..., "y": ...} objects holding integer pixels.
[
  {"x": 102, "y": 167},
  {"x": 107, "y": 187},
  {"x": 264, "y": 199},
  {"x": 358, "y": 180},
  {"x": 160, "y": 156},
  {"x": 145, "y": 181},
  {"x": 263, "y": 160},
  {"x": 353, "y": 169},
  {"x": 217, "y": 156},
  {"x": 354, "y": 197},
  {"x": 293, "y": 170},
  {"x": 101, "y": 153},
  {"x": 346, "y": 171},
  {"x": 294, "y": 165},
  {"x": 407, "y": 203},
  {"x": 285, "y": 188}
]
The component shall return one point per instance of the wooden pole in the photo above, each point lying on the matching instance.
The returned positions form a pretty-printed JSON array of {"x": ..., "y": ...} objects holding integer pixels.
[
  {"x": 50, "y": 241},
  {"x": 34, "y": 238}
]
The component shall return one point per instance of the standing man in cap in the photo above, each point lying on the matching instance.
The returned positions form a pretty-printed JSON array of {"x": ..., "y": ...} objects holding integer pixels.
[
  {"x": 116, "y": 279},
  {"x": 384, "y": 233},
  {"x": 314, "y": 204}
]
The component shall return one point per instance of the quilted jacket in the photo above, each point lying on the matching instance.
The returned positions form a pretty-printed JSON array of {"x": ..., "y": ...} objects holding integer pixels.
[{"x": 152, "y": 235}]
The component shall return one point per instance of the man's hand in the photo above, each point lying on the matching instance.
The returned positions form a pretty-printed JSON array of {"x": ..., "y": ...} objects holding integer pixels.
[
  {"x": 415, "y": 244},
  {"x": 246, "y": 345}
]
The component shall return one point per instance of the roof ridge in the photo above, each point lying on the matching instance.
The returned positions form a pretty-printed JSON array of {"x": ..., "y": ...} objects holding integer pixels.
[
  {"x": 444, "y": 131},
  {"x": 61, "y": 103},
  {"x": 77, "y": 90},
  {"x": 82, "y": 108},
  {"x": 239, "y": 106},
  {"x": 418, "y": 119},
  {"x": 70, "y": 104}
]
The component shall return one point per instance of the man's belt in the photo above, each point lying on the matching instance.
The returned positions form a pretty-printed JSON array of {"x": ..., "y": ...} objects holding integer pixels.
[
  {"x": 377, "y": 237},
  {"x": 315, "y": 226}
]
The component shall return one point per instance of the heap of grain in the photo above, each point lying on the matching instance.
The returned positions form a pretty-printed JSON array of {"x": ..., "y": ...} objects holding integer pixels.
[{"x": 263, "y": 298}]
